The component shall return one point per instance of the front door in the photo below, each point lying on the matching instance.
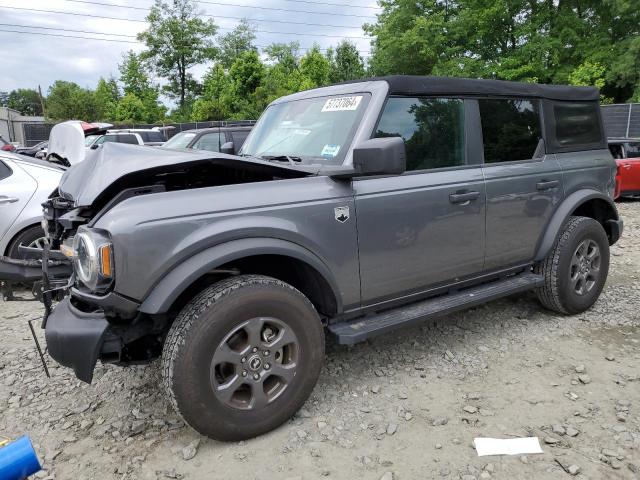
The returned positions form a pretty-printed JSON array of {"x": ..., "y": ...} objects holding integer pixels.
[
  {"x": 425, "y": 227},
  {"x": 16, "y": 189},
  {"x": 524, "y": 185}
]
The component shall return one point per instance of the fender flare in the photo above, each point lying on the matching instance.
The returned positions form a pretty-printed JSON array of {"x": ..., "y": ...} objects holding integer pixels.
[
  {"x": 562, "y": 214},
  {"x": 174, "y": 283}
]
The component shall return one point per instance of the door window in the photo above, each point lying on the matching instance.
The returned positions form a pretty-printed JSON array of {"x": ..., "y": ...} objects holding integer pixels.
[
  {"x": 208, "y": 141},
  {"x": 577, "y": 124},
  {"x": 5, "y": 171},
  {"x": 432, "y": 129},
  {"x": 510, "y": 129},
  {"x": 633, "y": 150},
  {"x": 128, "y": 138}
]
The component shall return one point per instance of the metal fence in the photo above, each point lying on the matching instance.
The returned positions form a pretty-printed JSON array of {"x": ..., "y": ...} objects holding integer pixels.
[
  {"x": 622, "y": 120},
  {"x": 35, "y": 133}
]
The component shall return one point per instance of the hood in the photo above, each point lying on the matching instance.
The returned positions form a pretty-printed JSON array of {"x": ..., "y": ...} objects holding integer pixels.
[
  {"x": 115, "y": 167},
  {"x": 66, "y": 140}
]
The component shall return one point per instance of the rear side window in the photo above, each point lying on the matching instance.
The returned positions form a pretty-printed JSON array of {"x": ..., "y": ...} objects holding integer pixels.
[
  {"x": 127, "y": 138},
  {"x": 239, "y": 138},
  {"x": 151, "y": 136},
  {"x": 577, "y": 124},
  {"x": 432, "y": 129},
  {"x": 633, "y": 150},
  {"x": 5, "y": 171},
  {"x": 511, "y": 129},
  {"x": 208, "y": 141}
]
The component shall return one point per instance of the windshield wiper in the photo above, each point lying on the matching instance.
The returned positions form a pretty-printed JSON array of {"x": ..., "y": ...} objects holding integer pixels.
[{"x": 282, "y": 158}]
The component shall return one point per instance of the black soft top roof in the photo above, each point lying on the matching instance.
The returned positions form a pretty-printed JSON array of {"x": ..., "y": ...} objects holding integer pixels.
[{"x": 417, "y": 85}]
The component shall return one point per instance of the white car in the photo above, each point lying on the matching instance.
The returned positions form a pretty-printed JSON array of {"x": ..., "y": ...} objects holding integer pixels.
[{"x": 25, "y": 183}]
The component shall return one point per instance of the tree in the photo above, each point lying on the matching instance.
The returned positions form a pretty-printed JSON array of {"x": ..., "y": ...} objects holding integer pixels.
[
  {"x": 107, "y": 96},
  {"x": 69, "y": 101},
  {"x": 26, "y": 101},
  {"x": 236, "y": 42},
  {"x": 135, "y": 79},
  {"x": 346, "y": 63},
  {"x": 315, "y": 66},
  {"x": 214, "y": 102},
  {"x": 534, "y": 41},
  {"x": 131, "y": 109},
  {"x": 177, "y": 39},
  {"x": 4, "y": 99},
  {"x": 287, "y": 55}
]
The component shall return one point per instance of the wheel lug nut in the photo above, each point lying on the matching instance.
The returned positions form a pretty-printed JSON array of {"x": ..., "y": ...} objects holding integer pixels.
[
  {"x": 266, "y": 353},
  {"x": 244, "y": 373},
  {"x": 244, "y": 359},
  {"x": 256, "y": 377},
  {"x": 255, "y": 349},
  {"x": 267, "y": 366}
]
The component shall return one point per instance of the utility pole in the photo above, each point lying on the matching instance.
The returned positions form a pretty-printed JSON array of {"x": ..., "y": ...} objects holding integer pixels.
[{"x": 41, "y": 100}]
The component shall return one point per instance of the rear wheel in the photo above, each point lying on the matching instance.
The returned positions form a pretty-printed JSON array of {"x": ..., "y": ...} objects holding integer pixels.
[
  {"x": 577, "y": 267},
  {"x": 242, "y": 357}
]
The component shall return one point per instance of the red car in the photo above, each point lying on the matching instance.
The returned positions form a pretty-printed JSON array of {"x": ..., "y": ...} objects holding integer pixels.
[
  {"x": 6, "y": 146},
  {"x": 626, "y": 151}
]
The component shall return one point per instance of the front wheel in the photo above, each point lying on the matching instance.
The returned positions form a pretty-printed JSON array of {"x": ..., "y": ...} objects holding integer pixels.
[
  {"x": 242, "y": 357},
  {"x": 577, "y": 267}
]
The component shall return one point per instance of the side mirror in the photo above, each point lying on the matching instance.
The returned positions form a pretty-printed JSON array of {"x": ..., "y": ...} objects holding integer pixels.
[
  {"x": 380, "y": 156},
  {"x": 228, "y": 148}
]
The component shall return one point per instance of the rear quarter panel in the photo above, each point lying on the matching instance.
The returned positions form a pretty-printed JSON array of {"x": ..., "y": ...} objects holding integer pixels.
[
  {"x": 155, "y": 233},
  {"x": 593, "y": 169}
]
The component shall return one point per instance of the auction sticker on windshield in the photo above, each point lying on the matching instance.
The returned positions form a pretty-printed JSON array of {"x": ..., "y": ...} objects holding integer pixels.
[
  {"x": 330, "y": 150},
  {"x": 342, "y": 104}
]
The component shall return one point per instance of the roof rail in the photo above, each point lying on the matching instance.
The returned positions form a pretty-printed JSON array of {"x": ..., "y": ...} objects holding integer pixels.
[{"x": 230, "y": 123}]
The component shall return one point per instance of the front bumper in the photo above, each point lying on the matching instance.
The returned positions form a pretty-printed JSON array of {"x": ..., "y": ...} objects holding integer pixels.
[
  {"x": 29, "y": 271},
  {"x": 75, "y": 338}
]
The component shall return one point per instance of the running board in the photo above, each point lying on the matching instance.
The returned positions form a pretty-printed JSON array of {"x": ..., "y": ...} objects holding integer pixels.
[{"x": 359, "y": 330}]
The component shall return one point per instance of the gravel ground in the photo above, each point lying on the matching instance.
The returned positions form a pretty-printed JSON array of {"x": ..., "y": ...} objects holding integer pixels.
[{"x": 405, "y": 406}]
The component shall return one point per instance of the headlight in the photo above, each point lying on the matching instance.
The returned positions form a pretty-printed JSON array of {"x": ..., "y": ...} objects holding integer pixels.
[{"x": 93, "y": 259}]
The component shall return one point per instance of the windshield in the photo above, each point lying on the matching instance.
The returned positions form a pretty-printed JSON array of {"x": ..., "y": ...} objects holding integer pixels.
[
  {"x": 180, "y": 140},
  {"x": 313, "y": 130},
  {"x": 88, "y": 141}
]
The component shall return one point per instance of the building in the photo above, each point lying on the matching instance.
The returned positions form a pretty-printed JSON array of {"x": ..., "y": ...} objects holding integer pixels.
[{"x": 13, "y": 123}]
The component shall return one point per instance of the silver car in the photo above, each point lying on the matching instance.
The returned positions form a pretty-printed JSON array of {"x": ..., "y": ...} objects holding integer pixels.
[{"x": 25, "y": 183}]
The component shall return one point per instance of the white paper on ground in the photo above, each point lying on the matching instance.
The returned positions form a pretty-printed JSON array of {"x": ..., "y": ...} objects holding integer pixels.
[{"x": 507, "y": 446}]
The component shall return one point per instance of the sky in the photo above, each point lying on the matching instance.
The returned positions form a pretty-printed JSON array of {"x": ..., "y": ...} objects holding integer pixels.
[{"x": 29, "y": 60}]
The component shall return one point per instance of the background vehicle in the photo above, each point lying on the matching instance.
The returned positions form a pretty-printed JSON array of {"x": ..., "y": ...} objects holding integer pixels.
[
  {"x": 626, "y": 151},
  {"x": 32, "y": 151},
  {"x": 361, "y": 207},
  {"x": 6, "y": 146},
  {"x": 228, "y": 139},
  {"x": 151, "y": 137},
  {"x": 25, "y": 184}
]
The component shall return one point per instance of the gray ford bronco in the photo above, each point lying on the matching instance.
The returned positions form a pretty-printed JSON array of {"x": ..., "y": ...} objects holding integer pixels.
[{"x": 351, "y": 210}]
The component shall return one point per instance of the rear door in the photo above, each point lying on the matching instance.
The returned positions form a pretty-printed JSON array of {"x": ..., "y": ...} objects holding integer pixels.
[
  {"x": 524, "y": 185},
  {"x": 16, "y": 189},
  {"x": 209, "y": 141},
  {"x": 425, "y": 227}
]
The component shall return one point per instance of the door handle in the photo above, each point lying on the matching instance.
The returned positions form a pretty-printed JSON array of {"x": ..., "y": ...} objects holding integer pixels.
[
  {"x": 7, "y": 200},
  {"x": 627, "y": 166},
  {"x": 463, "y": 197},
  {"x": 547, "y": 185}
]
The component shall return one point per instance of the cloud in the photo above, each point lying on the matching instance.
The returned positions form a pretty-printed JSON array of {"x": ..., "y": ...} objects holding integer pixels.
[{"x": 32, "y": 60}]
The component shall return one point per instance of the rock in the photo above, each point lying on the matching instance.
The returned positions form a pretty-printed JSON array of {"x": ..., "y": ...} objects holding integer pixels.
[
  {"x": 485, "y": 475},
  {"x": 190, "y": 451},
  {"x": 375, "y": 389},
  {"x": 489, "y": 467},
  {"x": 10, "y": 380},
  {"x": 558, "y": 429},
  {"x": 573, "y": 469},
  {"x": 470, "y": 409},
  {"x": 580, "y": 369},
  {"x": 322, "y": 425},
  {"x": 438, "y": 446},
  {"x": 387, "y": 476},
  {"x": 440, "y": 421},
  {"x": 586, "y": 379},
  {"x": 615, "y": 464},
  {"x": 551, "y": 440},
  {"x": 572, "y": 432},
  {"x": 408, "y": 416},
  {"x": 392, "y": 428},
  {"x": 301, "y": 434},
  {"x": 449, "y": 355},
  {"x": 403, "y": 396},
  {"x": 610, "y": 357}
]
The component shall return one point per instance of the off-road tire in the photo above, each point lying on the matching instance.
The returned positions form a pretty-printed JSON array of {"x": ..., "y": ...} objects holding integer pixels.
[
  {"x": 26, "y": 237},
  {"x": 205, "y": 322},
  {"x": 556, "y": 294}
]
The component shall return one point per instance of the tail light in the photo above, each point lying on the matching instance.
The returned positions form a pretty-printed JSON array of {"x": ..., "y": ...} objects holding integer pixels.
[
  {"x": 7, "y": 147},
  {"x": 618, "y": 187}
]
